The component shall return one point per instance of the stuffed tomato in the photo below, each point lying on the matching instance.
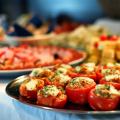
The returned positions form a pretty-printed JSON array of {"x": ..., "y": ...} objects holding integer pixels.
[
  {"x": 78, "y": 88},
  {"x": 57, "y": 76},
  {"x": 111, "y": 75},
  {"x": 30, "y": 87},
  {"x": 103, "y": 97},
  {"x": 112, "y": 80},
  {"x": 44, "y": 74},
  {"x": 85, "y": 70},
  {"x": 51, "y": 96},
  {"x": 61, "y": 76},
  {"x": 108, "y": 69}
]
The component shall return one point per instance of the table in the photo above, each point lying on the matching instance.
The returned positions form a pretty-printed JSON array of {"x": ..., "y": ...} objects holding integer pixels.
[{"x": 12, "y": 110}]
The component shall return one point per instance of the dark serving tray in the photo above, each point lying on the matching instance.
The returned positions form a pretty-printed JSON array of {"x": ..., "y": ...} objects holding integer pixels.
[{"x": 12, "y": 90}]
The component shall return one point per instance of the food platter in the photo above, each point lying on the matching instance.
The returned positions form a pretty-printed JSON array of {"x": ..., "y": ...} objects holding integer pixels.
[
  {"x": 12, "y": 90},
  {"x": 17, "y": 72}
]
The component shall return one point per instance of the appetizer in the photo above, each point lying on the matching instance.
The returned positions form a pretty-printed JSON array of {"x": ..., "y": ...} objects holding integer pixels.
[
  {"x": 30, "y": 87},
  {"x": 103, "y": 97},
  {"x": 51, "y": 96},
  {"x": 78, "y": 88},
  {"x": 58, "y": 76},
  {"x": 85, "y": 70},
  {"x": 54, "y": 87},
  {"x": 110, "y": 74}
]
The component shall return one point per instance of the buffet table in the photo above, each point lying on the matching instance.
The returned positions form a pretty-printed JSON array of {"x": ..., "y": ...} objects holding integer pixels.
[
  {"x": 11, "y": 109},
  {"x": 14, "y": 110}
]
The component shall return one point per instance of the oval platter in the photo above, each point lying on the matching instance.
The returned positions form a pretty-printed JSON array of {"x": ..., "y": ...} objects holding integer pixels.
[{"x": 12, "y": 90}]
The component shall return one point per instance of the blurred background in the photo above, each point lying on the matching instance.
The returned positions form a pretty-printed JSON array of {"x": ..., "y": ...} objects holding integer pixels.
[
  {"x": 82, "y": 11},
  {"x": 79, "y": 10}
]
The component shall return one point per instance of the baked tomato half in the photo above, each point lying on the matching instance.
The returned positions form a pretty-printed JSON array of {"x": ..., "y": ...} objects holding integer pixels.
[
  {"x": 44, "y": 74},
  {"x": 78, "y": 88},
  {"x": 63, "y": 68},
  {"x": 112, "y": 80},
  {"x": 61, "y": 77},
  {"x": 51, "y": 96},
  {"x": 85, "y": 70},
  {"x": 109, "y": 69},
  {"x": 60, "y": 80},
  {"x": 57, "y": 76},
  {"x": 30, "y": 87},
  {"x": 103, "y": 97}
]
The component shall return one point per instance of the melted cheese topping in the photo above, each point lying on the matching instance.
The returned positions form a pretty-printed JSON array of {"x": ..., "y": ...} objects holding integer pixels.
[
  {"x": 114, "y": 91},
  {"x": 38, "y": 71},
  {"x": 77, "y": 79},
  {"x": 111, "y": 77},
  {"x": 31, "y": 85},
  {"x": 110, "y": 88},
  {"x": 81, "y": 82},
  {"x": 110, "y": 64},
  {"x": 63, "y": 68},
  {"x": 90, "y": 66},
  {"x": 50, "y": 90},
  {"x": 64, "y": 78}
]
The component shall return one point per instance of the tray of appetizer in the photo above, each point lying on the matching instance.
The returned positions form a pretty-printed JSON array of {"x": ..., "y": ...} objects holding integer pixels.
[
  {"x": 24, "y": 58},
  {"x": 84, "y": 89}
]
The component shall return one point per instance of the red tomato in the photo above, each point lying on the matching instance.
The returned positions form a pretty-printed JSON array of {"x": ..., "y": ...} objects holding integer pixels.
[
  {"x": 100, "y": 103},
  {"x": 73, "y": 74},
  {"x": 79, "y": 95},
  {"x": 115, "y": 84},
  {"x": 114, "y": 38},
  {"x": 99, "y": 75},
  {"x": 60, "y": 101},
  {"x": 30, "y": 94},
  {"x": 103, "y": 37},
  {"x": 52, "y": 101},
  {"x": 57, "y": 102}
]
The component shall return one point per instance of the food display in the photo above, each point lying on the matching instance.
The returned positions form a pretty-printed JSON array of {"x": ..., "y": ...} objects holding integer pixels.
[
  {"x": 56, "y": 88},
  {"x": 104, "y": 50},
  {"x": 49, "y": 50},
  {"x": 25, "y": 56},
  {"x": 81, "y": 37}
]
